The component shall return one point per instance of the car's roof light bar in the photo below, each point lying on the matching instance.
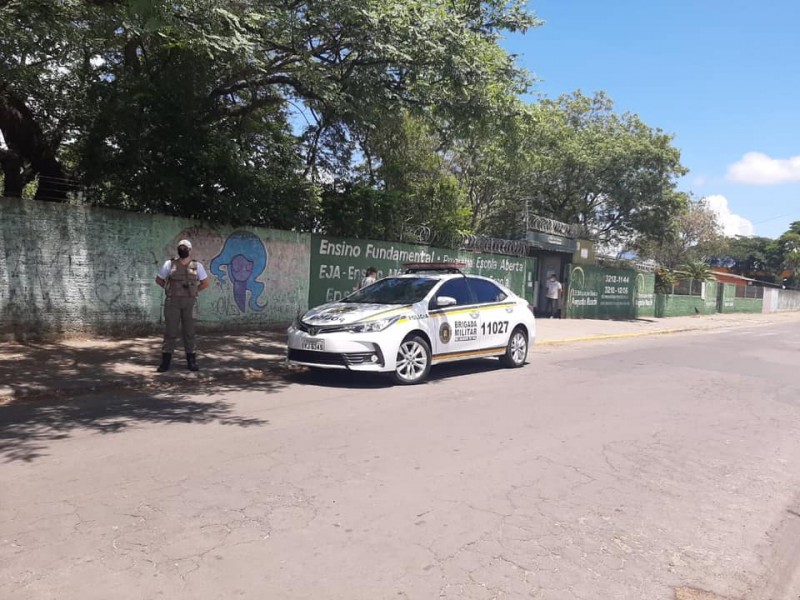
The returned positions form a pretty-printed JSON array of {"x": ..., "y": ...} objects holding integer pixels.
[{"x": 434, "y": 267}]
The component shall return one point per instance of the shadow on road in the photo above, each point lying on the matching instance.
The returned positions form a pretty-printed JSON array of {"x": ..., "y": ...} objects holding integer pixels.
[
  {"x": 28, "y": 427},
  {"x": 335, "y": 378},
  {"x": 106, "y": 386},
  {"x": 27, "y": 369},
  {"x": 464, "y": 368}
]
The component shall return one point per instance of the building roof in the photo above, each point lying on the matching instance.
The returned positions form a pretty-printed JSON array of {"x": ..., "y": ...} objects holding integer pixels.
[{"x": 740, "y": 279}]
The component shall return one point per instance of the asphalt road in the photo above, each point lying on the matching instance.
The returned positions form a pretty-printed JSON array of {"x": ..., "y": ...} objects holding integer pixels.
[{"x": 651, "y": 468}]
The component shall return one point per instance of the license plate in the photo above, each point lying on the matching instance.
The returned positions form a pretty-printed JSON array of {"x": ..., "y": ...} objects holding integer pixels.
[{"x": 316, "y": 345}]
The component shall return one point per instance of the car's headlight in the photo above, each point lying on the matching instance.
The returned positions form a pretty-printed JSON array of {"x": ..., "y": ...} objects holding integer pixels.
[{"x": 371, "y": 326}]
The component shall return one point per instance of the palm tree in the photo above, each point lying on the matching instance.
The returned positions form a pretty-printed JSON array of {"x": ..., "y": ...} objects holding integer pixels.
[
  {"x": 695, "y": 271},
  {"x": 698, "y": 271}
]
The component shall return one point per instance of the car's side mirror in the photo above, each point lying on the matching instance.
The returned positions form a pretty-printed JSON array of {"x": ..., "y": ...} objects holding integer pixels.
[{"x": 442, "y": 301}]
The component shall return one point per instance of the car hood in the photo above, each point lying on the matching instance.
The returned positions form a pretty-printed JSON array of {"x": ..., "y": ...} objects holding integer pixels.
[{"x": 344, "y": 313}]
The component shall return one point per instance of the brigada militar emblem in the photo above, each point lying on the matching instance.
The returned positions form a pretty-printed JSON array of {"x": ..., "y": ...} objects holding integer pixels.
[{"x": 445, "y": 333}]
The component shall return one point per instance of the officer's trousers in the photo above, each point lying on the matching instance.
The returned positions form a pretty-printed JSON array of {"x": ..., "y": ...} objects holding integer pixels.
[{"x": 179, "y": 315}]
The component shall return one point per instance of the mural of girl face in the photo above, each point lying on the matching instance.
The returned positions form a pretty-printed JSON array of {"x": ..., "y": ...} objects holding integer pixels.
[
  {"x": 240, "y": 271},
  {"x": 242, "y": 260},
  {"x": 241, "y": 268}
]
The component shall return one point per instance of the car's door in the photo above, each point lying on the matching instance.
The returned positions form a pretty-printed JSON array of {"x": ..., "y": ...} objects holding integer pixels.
[
  {"x": 496, "y": 312},
  {"x": 455, "y": 327}
]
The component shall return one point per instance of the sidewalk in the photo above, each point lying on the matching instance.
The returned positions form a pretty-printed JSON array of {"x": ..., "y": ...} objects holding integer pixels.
[{"x": 54, "y": 370}]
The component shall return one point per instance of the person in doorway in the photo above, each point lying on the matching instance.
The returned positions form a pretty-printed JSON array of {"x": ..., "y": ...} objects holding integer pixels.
[
  {"x": 553, "y": 293},
  {"x": 182, "y": 279},
  {"x": 370, "y": 278}
]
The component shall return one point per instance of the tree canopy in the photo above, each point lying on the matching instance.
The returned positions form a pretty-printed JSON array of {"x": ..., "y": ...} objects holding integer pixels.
[
  {"x": 767, "y": 259},
  {"x": 691, "y": 235},
  {"x": 610, "y": 173},
  {"x": 357, "y": 117},
  {"x": 575, "y": 160}
]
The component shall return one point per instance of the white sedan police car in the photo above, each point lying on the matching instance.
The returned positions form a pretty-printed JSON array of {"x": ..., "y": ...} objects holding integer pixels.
[{"x": 406, "y": 323}]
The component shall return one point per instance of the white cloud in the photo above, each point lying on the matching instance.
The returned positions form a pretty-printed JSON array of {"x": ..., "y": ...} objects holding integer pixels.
[
  {"x": 731, "y": 224},
  {"x": 760, "y": 169}
]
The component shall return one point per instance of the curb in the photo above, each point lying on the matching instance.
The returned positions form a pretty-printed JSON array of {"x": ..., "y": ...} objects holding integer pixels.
[{"x": 614, "y": 336}]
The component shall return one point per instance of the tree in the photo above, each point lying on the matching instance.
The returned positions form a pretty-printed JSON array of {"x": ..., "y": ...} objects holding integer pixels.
[
  {"x": 153, "y": 148},
  {"x": 490, "y": 165},
  {"x": 755, "y": 257},
  {"x": 404, "y": 180},
  {"x": 612, "y": 174},
  {"x": 413, "y": 168},
  {"x": 692, "y": 235},
  {"x": 696, "y": 271},
  {"x": 789, "y": 247},
  {"x": 762, "y": 258},
  {"x": 46, "y": 51},
  {"x": 186, "y": 107}
]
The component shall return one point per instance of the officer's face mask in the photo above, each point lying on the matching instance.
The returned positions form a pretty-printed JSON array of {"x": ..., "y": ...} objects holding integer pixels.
[{"x": 183, "y": 251}]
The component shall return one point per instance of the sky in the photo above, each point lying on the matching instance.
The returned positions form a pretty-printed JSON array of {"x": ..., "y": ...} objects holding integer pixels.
[{"x": 721, "y": 76}]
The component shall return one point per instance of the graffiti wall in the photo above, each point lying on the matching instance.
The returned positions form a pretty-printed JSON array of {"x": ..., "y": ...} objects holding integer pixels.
[
  {"x": 66, "y": 269},
  {"x": 338, "y": 265},
  {"x": 257, "y": 275}
]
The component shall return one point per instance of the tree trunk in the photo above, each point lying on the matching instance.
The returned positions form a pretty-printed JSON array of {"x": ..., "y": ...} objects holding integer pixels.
[
  {"x": 13, "y": 175},
  {"x": 27, "y": 143}
]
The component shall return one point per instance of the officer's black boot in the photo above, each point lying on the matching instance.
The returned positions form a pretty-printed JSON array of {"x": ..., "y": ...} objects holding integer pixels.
[
  {"x": 166, "y": 358},
  {"x": 191, "y": 362}
]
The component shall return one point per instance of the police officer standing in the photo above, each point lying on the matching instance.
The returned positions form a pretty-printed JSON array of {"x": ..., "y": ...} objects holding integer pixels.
[{"x": 182, "y": 278}]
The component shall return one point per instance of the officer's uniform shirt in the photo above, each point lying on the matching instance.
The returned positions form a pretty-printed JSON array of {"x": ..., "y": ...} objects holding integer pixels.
[{"x": 167, "y": 269}]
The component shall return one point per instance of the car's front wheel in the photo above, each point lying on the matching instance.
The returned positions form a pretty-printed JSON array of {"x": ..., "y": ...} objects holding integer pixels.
[
  {"x": 413, "y": 361},
  {"x": 517, "y": 349}
]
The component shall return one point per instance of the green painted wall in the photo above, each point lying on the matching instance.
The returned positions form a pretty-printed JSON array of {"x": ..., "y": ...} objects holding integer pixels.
[
  {"x": 732, "y": 304},
  {"x": 711, "y": 292},
  {"x": 728, "y": 298},
  {"x": 645, "y": 295},
  {"x": 669, "y": 305},
  {"x": 66, "y": 269},
  {"x": 337, "y": 265},
  {"x": 748, "y": 305},
  {"x": 678, "y": 306},
  {"x": 599, "y": 293}
]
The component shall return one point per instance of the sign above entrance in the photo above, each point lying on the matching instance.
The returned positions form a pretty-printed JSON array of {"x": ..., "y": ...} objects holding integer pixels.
[{"x": 549, "y": 241}]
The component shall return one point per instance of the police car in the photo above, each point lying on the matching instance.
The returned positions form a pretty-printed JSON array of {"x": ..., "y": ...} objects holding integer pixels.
[{"x": 403, "y": 324}]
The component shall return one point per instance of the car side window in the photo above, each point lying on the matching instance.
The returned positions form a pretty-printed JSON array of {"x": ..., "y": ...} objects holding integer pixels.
[
  {"x": 458, "y": 289},
  {"x": 485, "y": 291}
]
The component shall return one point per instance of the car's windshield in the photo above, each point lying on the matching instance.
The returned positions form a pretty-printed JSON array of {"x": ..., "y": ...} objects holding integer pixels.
[{"x": 394, "y": 290}]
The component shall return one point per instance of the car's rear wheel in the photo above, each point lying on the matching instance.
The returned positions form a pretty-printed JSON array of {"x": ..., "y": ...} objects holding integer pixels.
[
  {"x": 517, "y": 349},
  {"x": 413, "y": 361}
]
